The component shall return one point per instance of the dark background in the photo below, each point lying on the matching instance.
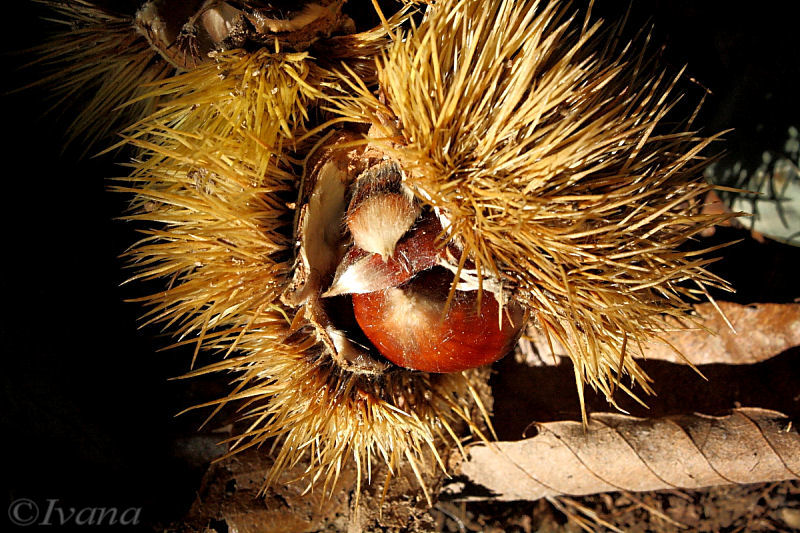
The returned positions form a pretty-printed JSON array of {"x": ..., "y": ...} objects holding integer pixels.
[{"x": 87, "y": 405}]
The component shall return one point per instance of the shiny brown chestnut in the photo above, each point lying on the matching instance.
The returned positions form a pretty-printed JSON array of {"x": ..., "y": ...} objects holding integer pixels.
[{"x": 412, "y": 327}]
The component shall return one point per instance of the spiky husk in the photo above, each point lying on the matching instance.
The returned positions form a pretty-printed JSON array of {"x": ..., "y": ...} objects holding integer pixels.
[
  {"x": 549, "y": 154},
  {"x": 100, "y": 61},
  {"x": 546, "y": 151}
]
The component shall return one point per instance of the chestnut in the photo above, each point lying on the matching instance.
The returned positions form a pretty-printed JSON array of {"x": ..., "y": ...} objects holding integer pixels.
[
  {"x": 412, "y": 327},
  {"x": 382, "y": 209}
]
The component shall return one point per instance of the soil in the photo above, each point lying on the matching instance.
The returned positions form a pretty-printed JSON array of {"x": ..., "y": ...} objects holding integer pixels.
[{"x": 736, "y": 508}]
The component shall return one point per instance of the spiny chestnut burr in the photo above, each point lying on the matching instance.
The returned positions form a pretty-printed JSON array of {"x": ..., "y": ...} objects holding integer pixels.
[
  {"x": 550, "y": 154},
  {"x": 412, "y": 326}
]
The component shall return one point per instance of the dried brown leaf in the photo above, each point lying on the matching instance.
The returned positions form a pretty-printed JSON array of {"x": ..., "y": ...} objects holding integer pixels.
[{"x": 618, "y": 452}]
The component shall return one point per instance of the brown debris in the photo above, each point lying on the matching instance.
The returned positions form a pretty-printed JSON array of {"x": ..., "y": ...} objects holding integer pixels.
[{"x": 231, "y": 492}]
